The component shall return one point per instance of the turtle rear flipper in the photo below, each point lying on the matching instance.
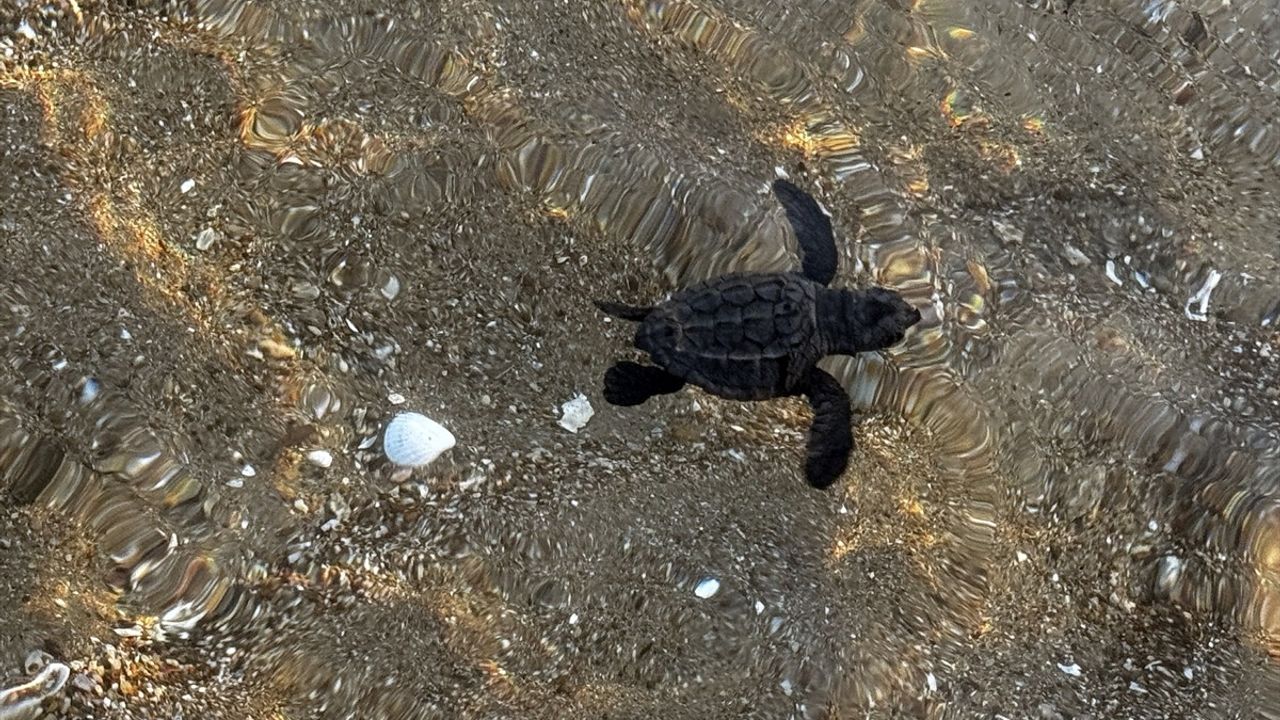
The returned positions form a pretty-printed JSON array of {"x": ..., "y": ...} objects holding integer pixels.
[
  {"x": 622, "y": 311},
  {"x": 831, "y": 436},
  {"x": 813, "y": 231},
  {"x": 628, "y": 383}
]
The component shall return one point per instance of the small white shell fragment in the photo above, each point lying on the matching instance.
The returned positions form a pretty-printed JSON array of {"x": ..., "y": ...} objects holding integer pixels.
[
  {"x": 1073, "y": 669},
  {"x": 187, "y": 186},
  {"x": 320, "y": 458},
  {"x": 89, "y": 391},
  {"x": 1168, "y": 572},
  {"x": 35, "y": 661},
  {"x": 575, "y": 413},
  {"x": 707, "y": 587},
  {"x": 396, "y": 399},
  {"x": 391, "y": 288},
  {"x": 205, "y": 238},
  {"x": 413, "y": 440},
  {"x": 1201, "y": 297},
  {"x": 248, "y": 471}
]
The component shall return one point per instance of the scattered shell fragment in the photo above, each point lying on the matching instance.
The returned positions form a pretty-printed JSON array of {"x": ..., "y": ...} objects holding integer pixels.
[
  {"x": 707, "y": 587},
  {"x": 413, "y": 440},
  {"x": 575, "y": 413},
  {"x": 1201, "y": 298},
  {"x": 36, "y": 661},
  {"x": 391, "y": 288},
  {"x": 187, "y": 186},
  {"x": 89, "y": 390}
]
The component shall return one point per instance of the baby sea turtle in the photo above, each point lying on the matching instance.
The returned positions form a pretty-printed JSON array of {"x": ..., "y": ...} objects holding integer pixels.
[{"x": 756, "y": 336}]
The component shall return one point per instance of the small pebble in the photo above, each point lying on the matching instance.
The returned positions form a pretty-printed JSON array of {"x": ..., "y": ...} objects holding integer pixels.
[
  {"x": 205, "y": 239},
  {"x": 1074, "y": 255},
  {"x": 320, "y": 458},
  {"x": 82, "y": 682},
  {"x": 187, "y": 186}
]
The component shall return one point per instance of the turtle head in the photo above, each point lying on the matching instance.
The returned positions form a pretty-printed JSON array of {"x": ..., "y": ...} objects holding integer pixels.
[{"x": 855, "y": 321}]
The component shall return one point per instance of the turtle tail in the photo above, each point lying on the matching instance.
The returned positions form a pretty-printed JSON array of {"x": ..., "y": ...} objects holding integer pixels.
[{"x": 623, "y": 311}]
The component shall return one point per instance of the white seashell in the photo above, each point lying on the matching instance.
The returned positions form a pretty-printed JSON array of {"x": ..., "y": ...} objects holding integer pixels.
[
  {"x": 707, "y": 587},
  {"x": 575, "y": 413},
  {"x": 413, "y": 440}
]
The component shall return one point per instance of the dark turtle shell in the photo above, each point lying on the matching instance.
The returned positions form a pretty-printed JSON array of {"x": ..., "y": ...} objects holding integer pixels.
[{"x": 743, "y": 336}]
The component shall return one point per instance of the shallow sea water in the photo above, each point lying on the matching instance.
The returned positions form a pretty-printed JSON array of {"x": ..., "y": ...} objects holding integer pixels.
[{"x": 237, "y": 238}]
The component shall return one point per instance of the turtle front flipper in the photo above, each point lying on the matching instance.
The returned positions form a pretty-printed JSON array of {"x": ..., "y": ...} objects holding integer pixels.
[
  {"x": 818, "y": 256},
  {"x": 831, "y": 436},
  {"x": 628, "y": 383}
]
